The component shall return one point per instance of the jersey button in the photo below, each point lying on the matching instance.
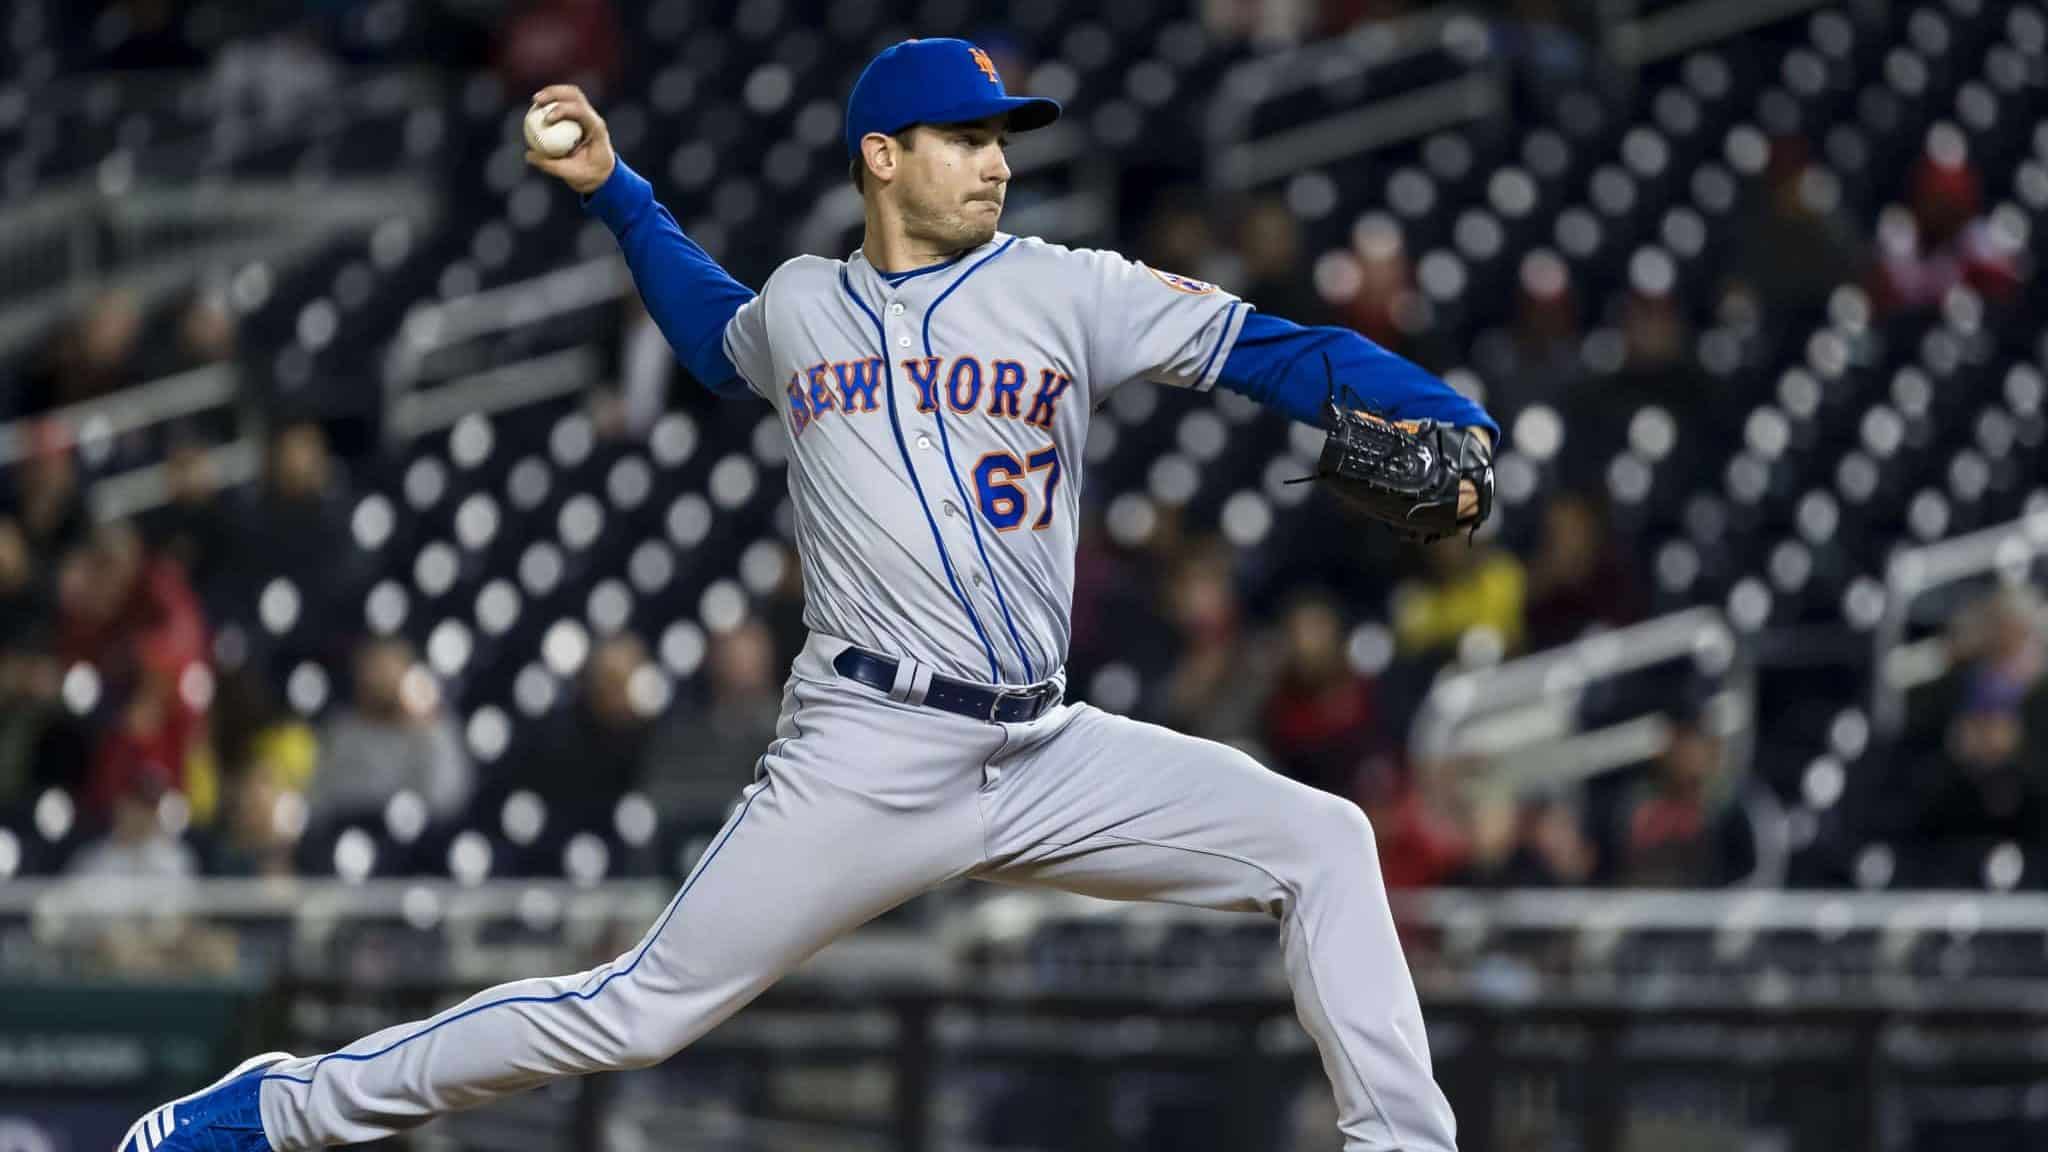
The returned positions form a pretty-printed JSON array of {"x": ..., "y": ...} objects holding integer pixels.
[
  {"x": 903, "y": 341},
  {"x": 978, "y": 581},
  {"x": 924, "y": 442},
  {"x": 951, "y": 508},
  {"x": 896, "y": 309}
]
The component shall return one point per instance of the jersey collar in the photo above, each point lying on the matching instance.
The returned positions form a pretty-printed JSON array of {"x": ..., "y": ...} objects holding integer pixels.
[{"x": 929, "y": 276}]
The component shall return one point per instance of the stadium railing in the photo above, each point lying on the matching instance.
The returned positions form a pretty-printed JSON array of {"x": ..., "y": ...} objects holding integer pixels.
[
  {"x": 1531, "y": 707},
  {"x": 1599, "y": 1012}
]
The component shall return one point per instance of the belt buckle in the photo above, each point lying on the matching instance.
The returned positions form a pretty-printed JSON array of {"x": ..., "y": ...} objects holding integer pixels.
[
  {"x": 1035, "y": 691},
  {"x": 1008, "y": 693}
]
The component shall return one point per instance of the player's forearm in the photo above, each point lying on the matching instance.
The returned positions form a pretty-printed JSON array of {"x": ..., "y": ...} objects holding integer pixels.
[
  {"x": 689, "y": 296},
  {"x": 1280, "y": 364}
]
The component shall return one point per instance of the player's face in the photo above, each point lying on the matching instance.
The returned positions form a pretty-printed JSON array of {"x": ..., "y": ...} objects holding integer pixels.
[{"x": 953, "y": 182}]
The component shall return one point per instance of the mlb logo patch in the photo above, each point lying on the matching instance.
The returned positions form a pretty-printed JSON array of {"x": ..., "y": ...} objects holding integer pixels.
[{"x": 1178, "y": 283}]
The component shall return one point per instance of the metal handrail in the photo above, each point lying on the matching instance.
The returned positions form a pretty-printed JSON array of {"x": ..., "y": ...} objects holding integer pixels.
[
  {"x": 1635, "y": 41},
  {"x": 1013, "y": 914},
  {"x": 1533, "y": 697},
  {"x": 1237, "y": 160},
  {"x": 170, "y": 398}
]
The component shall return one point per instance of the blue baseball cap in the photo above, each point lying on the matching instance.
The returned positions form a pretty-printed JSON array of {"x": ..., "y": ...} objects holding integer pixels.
[{"x": 937, "y": 81}]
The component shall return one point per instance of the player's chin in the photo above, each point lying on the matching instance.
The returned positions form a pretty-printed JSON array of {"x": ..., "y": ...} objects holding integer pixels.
[{"x": 978, "y": 226}]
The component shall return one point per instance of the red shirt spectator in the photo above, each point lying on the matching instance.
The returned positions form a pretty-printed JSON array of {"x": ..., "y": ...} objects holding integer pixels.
[
  {"x": 135, "y": 621},
  {"x": 554, "y": 40},
  {"x": 1321, "y": 719},
  {"x": 1944, "y": 243}
]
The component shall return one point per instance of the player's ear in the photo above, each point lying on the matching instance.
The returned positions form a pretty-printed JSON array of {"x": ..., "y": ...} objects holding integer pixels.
[{"x": 879, "y": 153}]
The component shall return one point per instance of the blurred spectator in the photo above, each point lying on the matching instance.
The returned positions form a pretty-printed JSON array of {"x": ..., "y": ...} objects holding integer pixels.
[
  {"x": 1686, "y": 825},
  {"x": 1115, "y": 618},
  {"x": 250, "y": 736},
  {"x": 42, "y": 744},
  {"x": 207, "y": 329},
  {"x": 137, "y": 878},
  {"x": 607, "y": 742},
  {"x": 1794, "y": 247},
  {"x": 1577, "y": 576},
  {"x": 1218, "y": 680},
  {"x": 1466, "y": 587},
  {"x": 1180, "y": 239},
  {"x": 89, "y": 356},
  {"x": 22, "y": 595},
  {"x": 1656, "y": 368},
  {"x": 394, "y": 737},
  {"x": 299, "y": 524},
  {"x": 130, "y": 613},
  {"x": 247, "y": 727},
  {"x": 153, "y": 734},
  {"x": 1538, "y": 844},
  {"x": 45, "y": 499},
  {"x": 1656, "y": 365},
  {"x": 1535, "y": 360},
  {"x": 1547, "y": 54},
  {"x": 274, "y": 79},
  {"x": 1944, "y": 242},
  {"x": 1997, "y": 637},
  {"x": 132, "y": 622},
  {"x": 257, "y": 835},
  {"x": 724, "y": 735},
  {"x": 1321, "y": 718},
  {"x": 137, "y": 845},
  {"x": 1373, "y": 284},
  {"x": 1988, "y": 784},
  {"x": 1270, "y": 272},
  {"x": 1990, "y": 790},
  {"x": 559, "y": 41},
  {"x": 191, "y": 528},
  {"x": 1425, "y": 827}
]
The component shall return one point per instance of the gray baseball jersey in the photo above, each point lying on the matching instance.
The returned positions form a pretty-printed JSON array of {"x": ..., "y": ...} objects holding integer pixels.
[
  {"x": 936, "y": 425},
  {"x": 936, "y": 422}
]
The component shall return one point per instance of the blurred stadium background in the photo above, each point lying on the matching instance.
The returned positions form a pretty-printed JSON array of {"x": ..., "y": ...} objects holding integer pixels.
[{"x": 386, "y": 614}]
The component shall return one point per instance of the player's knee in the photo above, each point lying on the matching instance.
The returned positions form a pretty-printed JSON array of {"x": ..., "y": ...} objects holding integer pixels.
[{"x": 1340, "y": 840}]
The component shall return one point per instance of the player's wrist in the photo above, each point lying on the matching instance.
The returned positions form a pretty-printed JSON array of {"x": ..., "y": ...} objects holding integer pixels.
[{"x": 610, "y": 161}]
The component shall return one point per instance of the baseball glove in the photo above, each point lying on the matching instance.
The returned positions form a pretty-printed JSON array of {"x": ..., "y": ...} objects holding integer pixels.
[{"x": 1406, "y": 474}]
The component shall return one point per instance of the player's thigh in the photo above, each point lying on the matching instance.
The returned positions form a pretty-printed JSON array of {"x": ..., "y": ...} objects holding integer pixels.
[
  {"x": 808, "y": 855},
  {"x": 1121, "y": 809}
]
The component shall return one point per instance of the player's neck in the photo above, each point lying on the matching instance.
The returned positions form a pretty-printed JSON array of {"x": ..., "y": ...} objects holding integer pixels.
[
  {"x": 891, "y": 253},
  {"x": 890, "y": 247}
]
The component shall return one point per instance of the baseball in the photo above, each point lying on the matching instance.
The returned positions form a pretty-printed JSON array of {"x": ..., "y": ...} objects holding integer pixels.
[{"x": 557, "y": 139}]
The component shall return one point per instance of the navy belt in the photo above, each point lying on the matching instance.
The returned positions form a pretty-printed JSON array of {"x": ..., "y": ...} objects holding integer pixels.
[{"x": 998, "y": 705}]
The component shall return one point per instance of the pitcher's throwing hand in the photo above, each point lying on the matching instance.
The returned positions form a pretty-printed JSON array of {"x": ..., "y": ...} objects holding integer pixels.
[{"x": 590, "y": 163}]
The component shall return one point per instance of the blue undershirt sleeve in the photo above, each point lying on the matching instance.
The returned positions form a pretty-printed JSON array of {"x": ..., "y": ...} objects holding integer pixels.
[
  {"x": 689, "y": 296},
  {"x": 1280, "y": 364}
]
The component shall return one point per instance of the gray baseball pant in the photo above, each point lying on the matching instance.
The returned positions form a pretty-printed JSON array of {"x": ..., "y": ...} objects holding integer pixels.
[{"x": 865, "y": 800}]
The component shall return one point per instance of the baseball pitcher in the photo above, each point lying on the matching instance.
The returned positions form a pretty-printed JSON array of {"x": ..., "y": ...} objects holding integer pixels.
[{"x": 935, "y": 387}]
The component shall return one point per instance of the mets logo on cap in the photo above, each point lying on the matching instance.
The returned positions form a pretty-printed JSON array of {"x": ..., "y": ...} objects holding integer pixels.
[
  {"x": 1178, "y": 283},
  {"x": 987, "y": 66}
]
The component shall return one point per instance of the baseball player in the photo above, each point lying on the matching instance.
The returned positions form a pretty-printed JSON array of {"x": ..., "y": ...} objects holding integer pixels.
[{"x": 935, "y": 388}]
